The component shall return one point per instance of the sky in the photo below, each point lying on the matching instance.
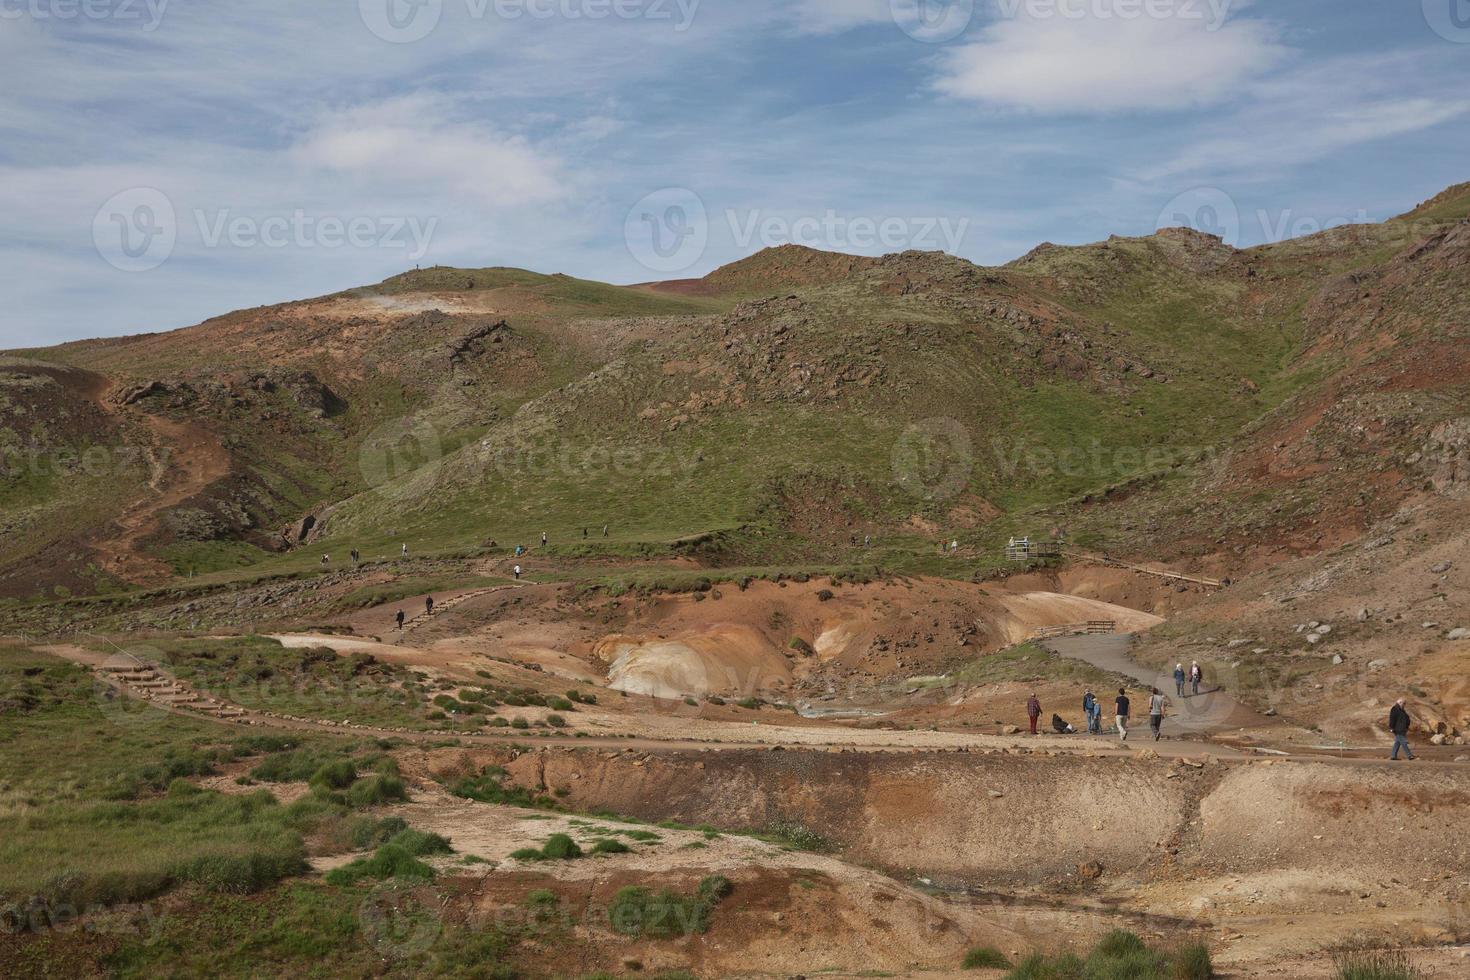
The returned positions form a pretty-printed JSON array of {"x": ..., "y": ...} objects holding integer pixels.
[{"x": 164, "y": 161}]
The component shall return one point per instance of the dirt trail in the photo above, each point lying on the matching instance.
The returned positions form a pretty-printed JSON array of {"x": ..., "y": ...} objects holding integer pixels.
[
  {"x": 186, "y": 458},
  {"x": 1212, "y": 710}
]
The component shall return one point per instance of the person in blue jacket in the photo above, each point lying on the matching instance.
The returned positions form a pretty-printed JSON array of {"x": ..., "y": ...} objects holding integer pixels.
[
  {"x": 1179, "y": 679},
  {"x": 1093, "y": 711}
]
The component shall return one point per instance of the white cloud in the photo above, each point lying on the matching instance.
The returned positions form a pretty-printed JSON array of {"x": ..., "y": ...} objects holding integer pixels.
[
  {"x": 1104, "y": 64},
  {"x": 416, "y": 140},
  {"x": 836, "y": 16}
]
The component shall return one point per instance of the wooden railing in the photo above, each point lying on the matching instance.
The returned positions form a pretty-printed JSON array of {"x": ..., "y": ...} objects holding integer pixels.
[{"x": 1093, "y": 627}]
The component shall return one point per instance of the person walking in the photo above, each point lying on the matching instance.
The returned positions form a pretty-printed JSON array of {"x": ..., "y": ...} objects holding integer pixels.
[
  {"x": 1033, "y": 711},
  {"x": 1089, "y": 711},
  {"x": 400, "y": 619},
  {"x": 604, "y": 530},
  {"x": 429, "y": 606},
  {"x": 1196, "y": 675},
  {"x": 1121, "y": 708},
  {"x": 403, "y": 552},
  {"x": 1398, "y": 723},
  {"x": 518, "y": 573},
  {"x": 543, "y": 539},
  {"x": 1179, "y": 679},
  {"x": 1156, "y": 713}
]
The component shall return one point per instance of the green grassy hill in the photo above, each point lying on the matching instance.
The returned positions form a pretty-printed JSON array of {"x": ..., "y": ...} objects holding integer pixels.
[{"x": 785, "y": 406}]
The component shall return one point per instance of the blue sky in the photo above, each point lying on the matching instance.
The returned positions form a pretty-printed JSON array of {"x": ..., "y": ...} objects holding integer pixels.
[{"x": 162, "y": 161}]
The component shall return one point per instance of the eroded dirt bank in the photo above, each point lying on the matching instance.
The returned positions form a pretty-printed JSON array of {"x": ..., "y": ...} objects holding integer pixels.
[{"x": 1327, "y": 850}]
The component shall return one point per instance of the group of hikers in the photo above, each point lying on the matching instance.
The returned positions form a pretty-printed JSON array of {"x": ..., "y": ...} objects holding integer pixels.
[
  {"x": 1092, "y": 709},
  {"x": 1092, "y": 706}
]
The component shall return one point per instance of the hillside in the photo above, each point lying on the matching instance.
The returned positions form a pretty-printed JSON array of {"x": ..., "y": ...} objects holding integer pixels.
[{"x": 1161, "y": 395}]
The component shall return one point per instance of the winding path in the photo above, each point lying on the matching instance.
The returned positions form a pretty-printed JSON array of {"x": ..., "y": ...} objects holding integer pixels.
[{"x": 1209, "y": 711}]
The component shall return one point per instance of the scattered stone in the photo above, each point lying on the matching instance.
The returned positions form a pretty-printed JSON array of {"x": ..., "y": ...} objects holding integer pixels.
[
  {"x": 1147, "y": 755},
  {"x": 1089, "y": 870},
  {"x": 1439, "y": 568},
  {"x": 995, "y": 794},
  {"x": 1377, "y": 664},
  {"x": 1459, "y": 633},
  {"x": 1336, "y": 659}
]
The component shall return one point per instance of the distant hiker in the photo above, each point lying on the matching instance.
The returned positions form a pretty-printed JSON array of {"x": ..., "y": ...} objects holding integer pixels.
[
  {"x": 867, "y": 540},
  {"x": 400, "y": 619},
  {"x": 518, "y": 573},
  {"x": 1092, "y": 711},
  {"x": 356, "y": 556},
  {"x": 326, "y": 559},
  {"x": 1398, "y": 723},
  {"x": 584, "y": 534},
  {"x": 520, "y": 550},
  {"x": 404, "y": 552},
  {"x": 1033, "y": 711},
  {"x": 1196, "y": 675},
  {"x": 1121, "y": 713},
  {"x": 429, "y": 605},
  {"x": 1179, "y": 679},
  {"x": 604, "y": 530},
  {"x": 543, "y": 539},
  {"x": 1156, "y": 713}
]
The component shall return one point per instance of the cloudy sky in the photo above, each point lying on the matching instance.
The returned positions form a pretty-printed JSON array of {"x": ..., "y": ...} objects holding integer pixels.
[{"x": 162, "y": 161}]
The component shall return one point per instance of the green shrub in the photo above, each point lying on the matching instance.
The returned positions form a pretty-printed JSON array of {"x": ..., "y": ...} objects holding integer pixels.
[
  {"x": 556, "y": 721},
  {"x": 420, "y": 843},
  {"x": 527, "y": 854},
  {"x": 339, "y": 774},
  {"x": 1119, "y": 942},
  {"x": 1375, "y": 965},
  {"x": 1192, "y": 962},
  {"x": 639, "y": 912},
  {"x": 520, "y": 723},
  {"x": 376, "y": 790},
  {"x": 609, "y": 845},
  {"x": 390, "y": 861},
  {"x": 243, "y": 873},
  {"x": 1038, "y": 967},
  {"x": 560, "y": 847},
  {"x": 365, "y": 832},
  {"x": 986, "y": 958}
]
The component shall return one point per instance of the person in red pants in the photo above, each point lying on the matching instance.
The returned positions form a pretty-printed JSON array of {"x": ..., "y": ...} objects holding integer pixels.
[{"x": 1033, "y": 711}]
